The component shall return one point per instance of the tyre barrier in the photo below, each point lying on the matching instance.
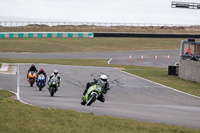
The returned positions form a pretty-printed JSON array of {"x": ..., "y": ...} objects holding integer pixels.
[
  {"x": 172, "y": 70},
  {"x": 146, "y": 35},
  {"x": 46, "y": 34}
]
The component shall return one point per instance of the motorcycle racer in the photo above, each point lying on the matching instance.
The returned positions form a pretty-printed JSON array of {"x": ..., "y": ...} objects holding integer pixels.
[
  {"x": 42, "y": 72},
  {"x": 102, "y": 81},
  {"x": 55, "y": 75},
  {"x": 32, "y": 68}
]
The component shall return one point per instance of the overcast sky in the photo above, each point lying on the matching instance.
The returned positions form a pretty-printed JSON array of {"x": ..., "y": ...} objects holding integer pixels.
[{"x": 125, "y": 11}]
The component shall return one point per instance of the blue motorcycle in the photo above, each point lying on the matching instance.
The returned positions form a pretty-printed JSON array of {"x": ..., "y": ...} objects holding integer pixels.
[{"x": 41, "y": 81}]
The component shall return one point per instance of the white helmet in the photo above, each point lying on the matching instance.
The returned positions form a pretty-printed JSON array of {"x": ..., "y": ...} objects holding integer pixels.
[
  {"x": 103, "y": 78},
  {"x": 55, "y": 71}
]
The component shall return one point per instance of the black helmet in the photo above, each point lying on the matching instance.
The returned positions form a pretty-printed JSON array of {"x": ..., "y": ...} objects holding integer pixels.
[{"x": 32, "y": 65}]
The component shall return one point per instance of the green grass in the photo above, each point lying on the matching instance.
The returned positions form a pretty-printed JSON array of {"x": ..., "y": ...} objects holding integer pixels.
[
  {"x": 162, "y": 77},
  {"x": 16, "y": 117},
  {"x": 49, "y": 45},
  {"x": 159, "y": 75}
]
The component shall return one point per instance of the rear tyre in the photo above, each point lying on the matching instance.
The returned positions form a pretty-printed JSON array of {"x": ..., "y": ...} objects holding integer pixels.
[{"x": 92, "y": 99}]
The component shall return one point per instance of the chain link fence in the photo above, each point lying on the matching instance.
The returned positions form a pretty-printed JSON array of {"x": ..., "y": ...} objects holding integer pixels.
[{"x": 51, "y": 24}]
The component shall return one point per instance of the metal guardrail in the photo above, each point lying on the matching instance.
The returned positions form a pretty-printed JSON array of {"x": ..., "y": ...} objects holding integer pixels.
[{"x": 28, "y": 23}]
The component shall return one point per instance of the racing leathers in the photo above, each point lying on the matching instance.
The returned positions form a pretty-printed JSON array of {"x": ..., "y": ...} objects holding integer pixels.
[
  {"x": 106, "y": 88},
  {"x": 42, "y": 72},
  {"x": 57, "y": 76},
  {"x": 32, "y": 68}
]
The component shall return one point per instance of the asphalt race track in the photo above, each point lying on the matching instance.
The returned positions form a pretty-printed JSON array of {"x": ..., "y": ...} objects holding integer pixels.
[
  {"x": 130, "y": 96},
  {"x": 117, "y": 57}
]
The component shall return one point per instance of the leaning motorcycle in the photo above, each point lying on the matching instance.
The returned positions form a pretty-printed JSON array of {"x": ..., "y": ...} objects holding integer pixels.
[
  {"x": 31, "y": 78},
  {"x": 53, "y": 86},
  {"x": 41, "y": 81},
  {"x": 92, "y": 94}
]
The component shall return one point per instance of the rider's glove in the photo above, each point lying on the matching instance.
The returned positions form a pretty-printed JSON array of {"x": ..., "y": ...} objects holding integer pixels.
[{"x": 95, "y": 80}]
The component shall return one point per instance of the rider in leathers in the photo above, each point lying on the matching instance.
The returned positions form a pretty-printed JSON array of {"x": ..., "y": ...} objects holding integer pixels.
[
  {"x": 55, "y": 75},
  {"x": 42, "y": 72},
  {"x": 103, "y": 79},
  {"x": 32, "y": 68}
]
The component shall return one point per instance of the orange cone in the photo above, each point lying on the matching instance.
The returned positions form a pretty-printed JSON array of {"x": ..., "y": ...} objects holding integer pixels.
[
  {"x": 130, "y": 57},
  {"x": 168, "y": 57},
  {"x": 156, "y": 57},
  {"x": 142, "y": 57}
]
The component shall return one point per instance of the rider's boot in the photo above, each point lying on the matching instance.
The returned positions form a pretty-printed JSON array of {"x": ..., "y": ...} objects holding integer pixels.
[{"x": 85, "y": 91}]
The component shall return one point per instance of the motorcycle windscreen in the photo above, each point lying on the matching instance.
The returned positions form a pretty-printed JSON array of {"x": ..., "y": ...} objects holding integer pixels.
[{"x": 100, "y": 83}]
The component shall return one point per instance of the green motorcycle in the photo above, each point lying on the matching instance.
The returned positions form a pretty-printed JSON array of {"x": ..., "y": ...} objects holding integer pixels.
[
  {"x": 53, "y": 86},
  {"x": 92, "y": 94}
]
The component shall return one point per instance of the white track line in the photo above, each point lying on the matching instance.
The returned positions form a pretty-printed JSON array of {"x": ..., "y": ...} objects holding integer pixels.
[
  {"x": 18, "y": 89},
  {"x": 109, "y": 61},
  {"x": 18, "y": 97},
  {"x": 160, "y": 84}
]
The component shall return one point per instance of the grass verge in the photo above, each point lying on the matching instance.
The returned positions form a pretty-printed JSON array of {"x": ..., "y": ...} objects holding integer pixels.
[
  {"x": 159, "y": 75},
  {"x": 57, "y": 45},
  {"x": 18, "y": 117}
]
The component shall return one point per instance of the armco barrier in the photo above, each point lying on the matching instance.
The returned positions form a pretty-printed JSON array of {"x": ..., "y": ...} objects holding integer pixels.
[
  {"x": 46, "y": 34},
  {"x": 146, "y": 35}
]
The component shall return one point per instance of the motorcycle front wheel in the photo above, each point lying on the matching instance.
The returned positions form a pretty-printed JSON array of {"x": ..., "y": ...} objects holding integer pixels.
[
  {"x": 52, "y": 91},
  {"x": 92, "y": 99},
  {"x": 31, "y": 82}
]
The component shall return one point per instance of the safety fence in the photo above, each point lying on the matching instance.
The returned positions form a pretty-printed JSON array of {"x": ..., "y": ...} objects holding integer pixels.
[
  {"x": 104, "y": 24},
  {"x": 46, "y": 34}
]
